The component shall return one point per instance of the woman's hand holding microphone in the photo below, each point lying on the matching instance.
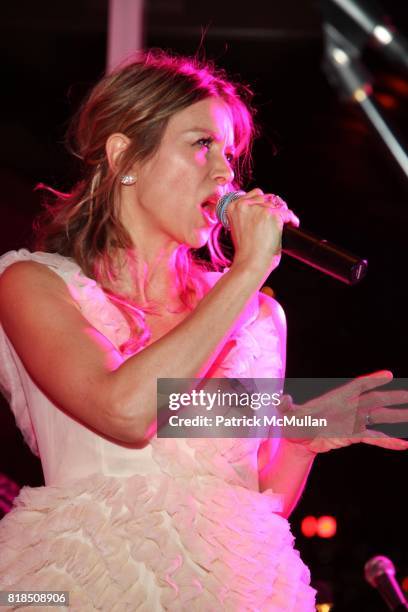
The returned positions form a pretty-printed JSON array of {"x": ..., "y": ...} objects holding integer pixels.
[{"x": 256, "y": 222}]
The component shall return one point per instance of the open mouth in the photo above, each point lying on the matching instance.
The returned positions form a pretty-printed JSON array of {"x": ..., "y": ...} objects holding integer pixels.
[{"x": 208, "y": 211}]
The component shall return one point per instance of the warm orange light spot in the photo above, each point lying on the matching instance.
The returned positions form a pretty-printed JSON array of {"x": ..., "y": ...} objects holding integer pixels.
[
  {"x": 326, "y": 526},
  {"x": 309, "y": 526}
]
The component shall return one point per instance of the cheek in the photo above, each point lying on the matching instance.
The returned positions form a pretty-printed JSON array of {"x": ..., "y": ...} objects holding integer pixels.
[
  {"x": 171, "y": 178},
  {"x": 183, "y": 160},
  {"x": 200, "y": 158}
]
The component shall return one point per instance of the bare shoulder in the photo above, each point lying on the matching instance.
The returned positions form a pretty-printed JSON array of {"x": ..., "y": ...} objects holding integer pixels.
[
  {"x": 28, "y": 278},
  {"x": 27, "y": 272},
  {"x": 69, "y": 359}
]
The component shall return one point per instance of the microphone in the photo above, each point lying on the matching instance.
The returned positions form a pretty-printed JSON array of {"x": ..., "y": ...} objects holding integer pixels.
[
  {"x": 309, "y": 248},
  {"x": 379, "y": 573}
]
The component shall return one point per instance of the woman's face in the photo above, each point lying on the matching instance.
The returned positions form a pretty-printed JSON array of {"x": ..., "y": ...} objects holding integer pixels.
[{"x": 177, "y": 189}]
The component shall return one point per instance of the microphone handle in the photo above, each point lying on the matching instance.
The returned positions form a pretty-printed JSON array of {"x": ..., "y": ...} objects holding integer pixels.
[
  {"x": 322, "y": 255},
  {"x": 309, "y": 248},
  {"x": 391, "y": 592}
]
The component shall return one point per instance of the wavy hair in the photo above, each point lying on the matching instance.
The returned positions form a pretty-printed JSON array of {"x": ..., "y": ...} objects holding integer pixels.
[{"x": 137, "y": 99}]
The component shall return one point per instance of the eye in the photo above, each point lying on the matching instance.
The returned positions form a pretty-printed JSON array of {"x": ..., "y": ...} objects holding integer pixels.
[{"x": 205, "y": 142}]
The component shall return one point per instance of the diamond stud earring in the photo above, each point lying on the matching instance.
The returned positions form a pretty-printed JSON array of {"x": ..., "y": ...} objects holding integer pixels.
[{"x": 128, "y": 179}]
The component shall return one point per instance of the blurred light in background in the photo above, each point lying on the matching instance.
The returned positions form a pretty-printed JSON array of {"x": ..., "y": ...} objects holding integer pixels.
[
  {"x": 323, "y": 527},
  {"x": 349, "y": 27},
  {"x": 326, "y": 526},
  {"x": 324, "y": 607},
  {"x": 382, "y": 34},
  {"x": 309, "y": 526}
]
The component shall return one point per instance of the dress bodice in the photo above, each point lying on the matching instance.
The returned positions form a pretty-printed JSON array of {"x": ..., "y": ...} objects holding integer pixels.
[
  {"x": 179, "y": 524},
  {"x": 69, "y": 450}
]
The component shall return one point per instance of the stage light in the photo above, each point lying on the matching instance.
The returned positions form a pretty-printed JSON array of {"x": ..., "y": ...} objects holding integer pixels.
[
  {"x": 382, "y": 34},
  {"x": 324, "y": 607},
  {"x": 309, "y": 526},
  {"x": 404, "y": 584},
  {"x": 326, "y": 526},
  {"x": 340, "y": 56},
  {"x": 344, "y": 67},
  {"x": 370, "y": 19},
  {"x": 360, "y": 16},
  {"x": 359, "y": 94}
]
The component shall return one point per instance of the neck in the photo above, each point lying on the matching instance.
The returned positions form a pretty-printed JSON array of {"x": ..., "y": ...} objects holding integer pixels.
[
  {"x": 148, "y": 272},
  {"x": 150, "y": 279}
]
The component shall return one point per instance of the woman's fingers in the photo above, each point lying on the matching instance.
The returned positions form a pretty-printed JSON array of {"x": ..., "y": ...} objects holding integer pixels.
[
  {"x": 388, "y": 415},
  {"x": 371, "y": 381},
  {"x": 255, "y": 192},
  {"x": 380, "y": 399},
  {"x": 376, "y": 406},
  {"x": 378, "y": 438},
  {"x": 274, "y": 203},
  {"x": 256, "y": 221},
  {"x": 364, "y": 383},
  {"x": 350, "y": 409}
]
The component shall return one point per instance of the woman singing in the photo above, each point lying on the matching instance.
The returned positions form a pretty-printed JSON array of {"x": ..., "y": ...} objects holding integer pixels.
[{"x": 115, "y": 297}]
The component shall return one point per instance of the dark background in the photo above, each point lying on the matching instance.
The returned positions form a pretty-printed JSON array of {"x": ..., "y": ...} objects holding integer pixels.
[{"x": 319, "y": 153}]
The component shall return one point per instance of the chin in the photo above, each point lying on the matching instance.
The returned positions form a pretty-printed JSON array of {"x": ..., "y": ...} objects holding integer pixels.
[
  {"x": 200, "y": 239},
  {"x": 195, "y": 238}
]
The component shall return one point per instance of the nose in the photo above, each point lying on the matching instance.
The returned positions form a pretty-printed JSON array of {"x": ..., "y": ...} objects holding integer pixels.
[{"x": 222, "y": 173}]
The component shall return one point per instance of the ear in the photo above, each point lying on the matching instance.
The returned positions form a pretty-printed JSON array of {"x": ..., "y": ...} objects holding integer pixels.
[{"x": 116, "y": 144}]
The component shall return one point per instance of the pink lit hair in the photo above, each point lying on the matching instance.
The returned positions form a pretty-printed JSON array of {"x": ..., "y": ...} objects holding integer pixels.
[{"x": 137, "y": 100}]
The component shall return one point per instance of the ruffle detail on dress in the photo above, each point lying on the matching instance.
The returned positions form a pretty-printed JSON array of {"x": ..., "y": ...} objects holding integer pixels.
[
  {"x": 154, "y": 543},
  {"x": 95, "y": 306},
  {"x": 13, "y": 391},
  {"x": 93, "y": 302},
  {"x": 251, "y": 340},
  {"x": 10, "y": 384},
  {"x": 252, "y": 346},
  {"x": 256, "y": 351},
  {"x": 232, "y": 460}
]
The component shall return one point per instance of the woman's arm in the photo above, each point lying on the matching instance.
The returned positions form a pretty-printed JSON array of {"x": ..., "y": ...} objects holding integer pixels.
[
  {"x": 82, "y": 372},
  {"x": 284, "y": 470},
  {"x": 282, "y": 465}
]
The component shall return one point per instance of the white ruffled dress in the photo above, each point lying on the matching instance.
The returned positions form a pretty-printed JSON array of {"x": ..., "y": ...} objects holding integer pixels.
[{"x": 178, "y": 525}]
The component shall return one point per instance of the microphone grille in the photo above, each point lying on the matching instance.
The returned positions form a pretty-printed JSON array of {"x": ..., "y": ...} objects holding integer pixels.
[
  {"x": 377, "y": 566},
  {"x": 223, "y": 203}
]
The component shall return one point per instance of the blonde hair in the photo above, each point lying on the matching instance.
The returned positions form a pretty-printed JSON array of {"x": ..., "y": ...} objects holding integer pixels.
[{"x": 137, "y": 100}]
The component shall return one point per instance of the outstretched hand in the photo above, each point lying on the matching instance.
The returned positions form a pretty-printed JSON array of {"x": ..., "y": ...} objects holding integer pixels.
[{"x": 349, "y": 411}]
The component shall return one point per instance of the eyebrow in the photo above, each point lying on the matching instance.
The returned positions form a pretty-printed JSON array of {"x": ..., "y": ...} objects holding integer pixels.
[
  {"x": 206, "y": 130},
  {"x": 201, "y": 129}
]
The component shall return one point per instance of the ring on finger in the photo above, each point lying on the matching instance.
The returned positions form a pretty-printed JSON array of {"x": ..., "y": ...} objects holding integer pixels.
[
  {"x": 368, "y": 420},
  {"x": 276, "y": 202}
]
